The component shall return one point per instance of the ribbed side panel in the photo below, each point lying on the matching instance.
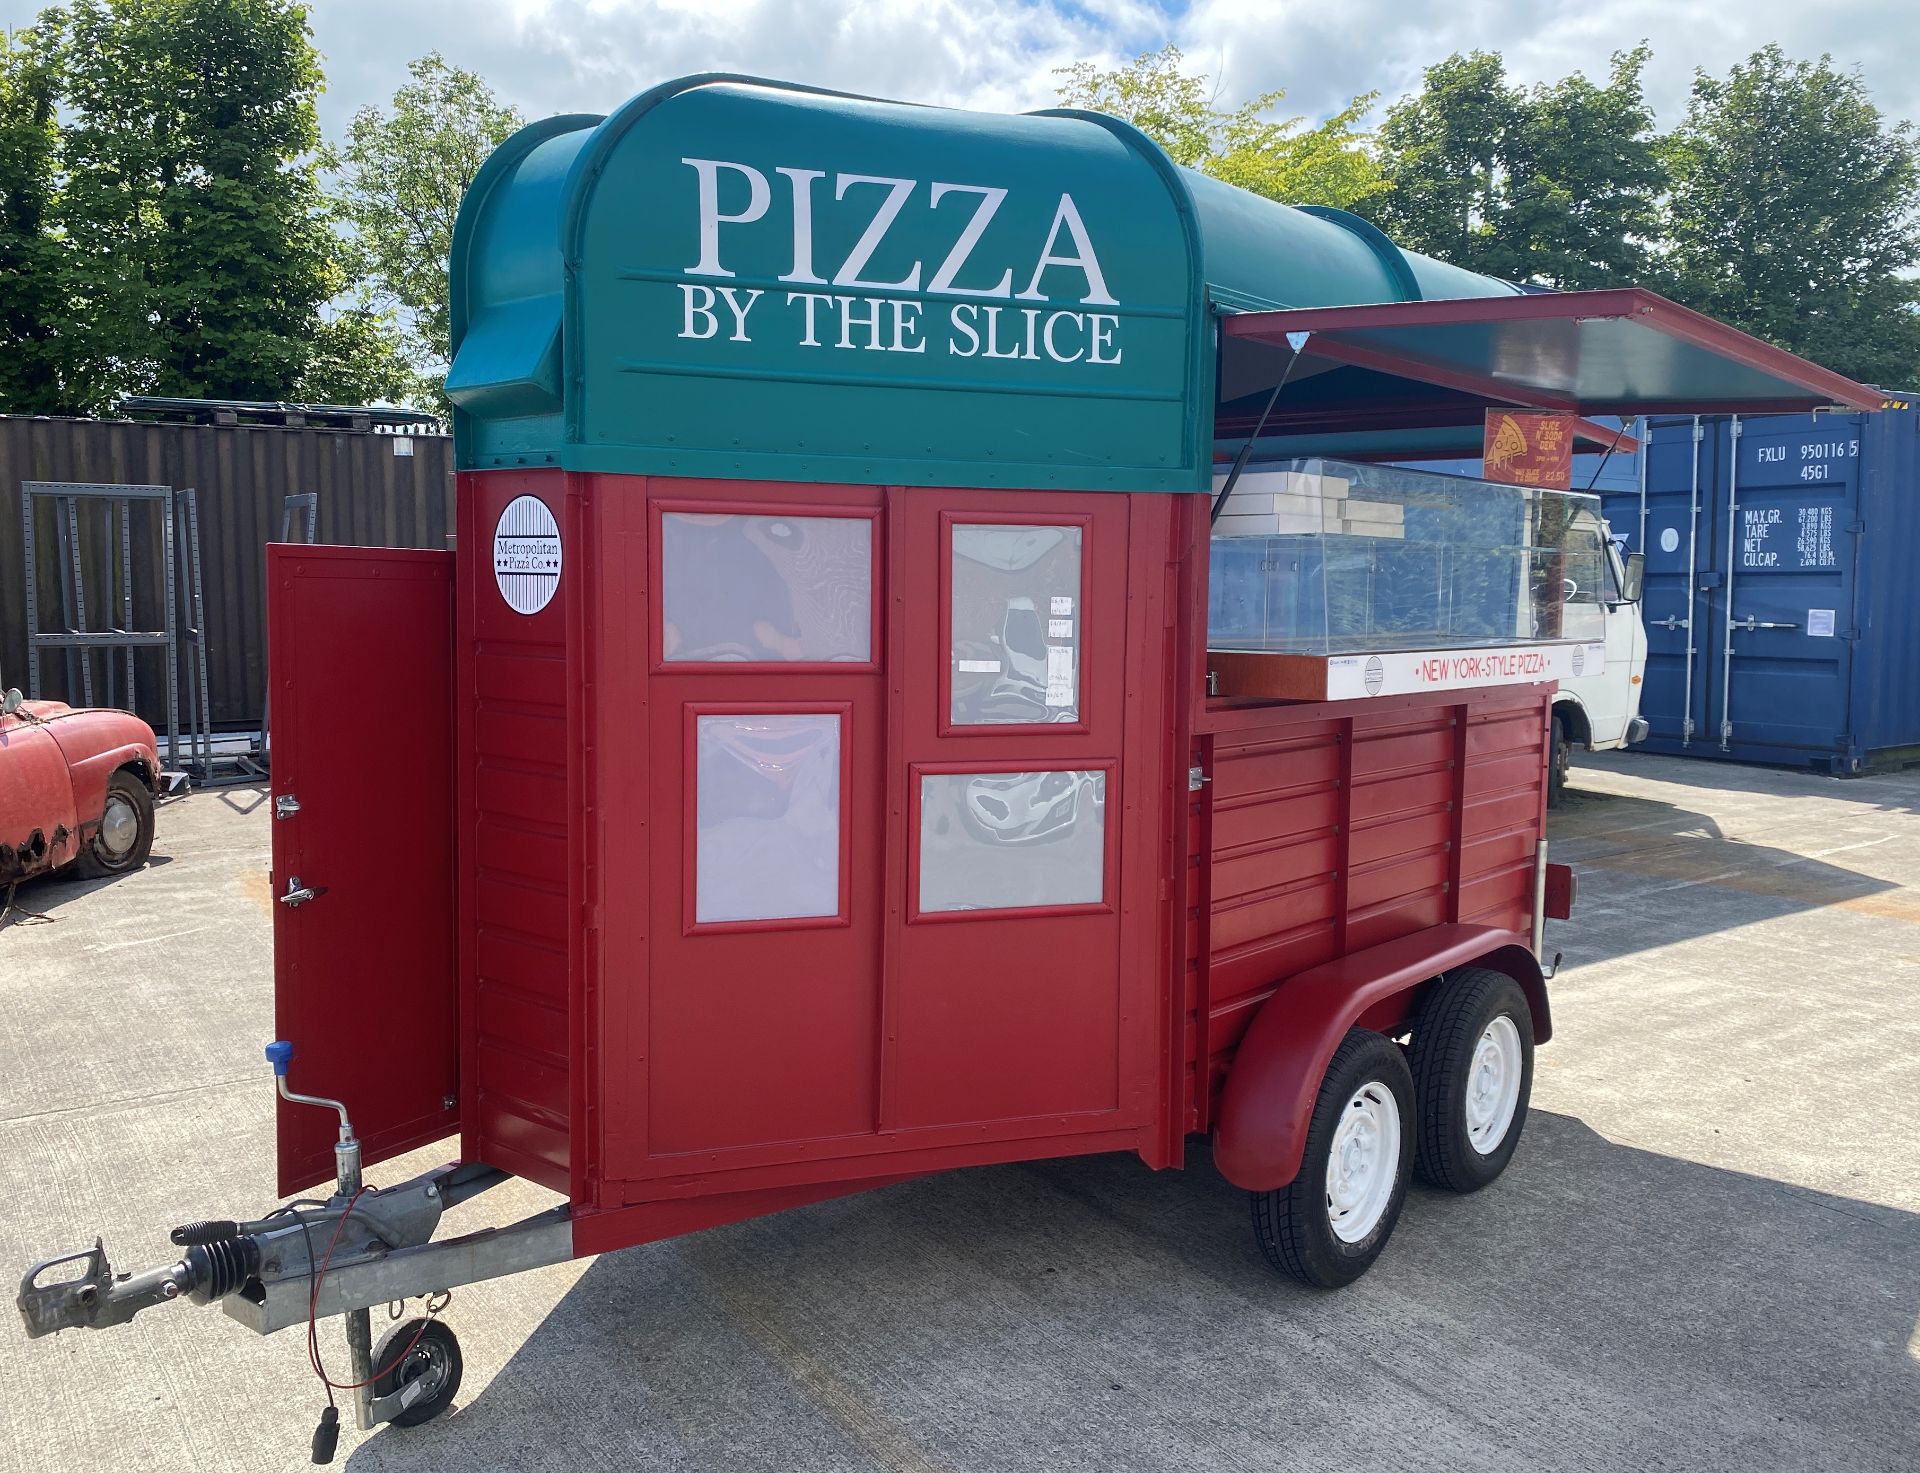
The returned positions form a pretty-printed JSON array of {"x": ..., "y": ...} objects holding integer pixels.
[
  {"x": 520, "y": 956},
  {"x": 1502, "y": 802},
  {"x": 1336, "y": 828},
  {"x": 1397, "y": 854},
  {"x": 515, "y": 911},
  {"x": 1276, "y": 851},
  {"x": 1193, "y": 983},
  {"x": 1885, "y": 705}
]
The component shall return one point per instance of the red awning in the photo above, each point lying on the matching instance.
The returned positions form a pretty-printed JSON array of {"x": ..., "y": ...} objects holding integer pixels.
[{"x": 1624, "y": 351}]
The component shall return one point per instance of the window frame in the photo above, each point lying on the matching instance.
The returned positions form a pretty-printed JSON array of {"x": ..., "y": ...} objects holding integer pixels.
[
  {"x": 946, "y": 725},
  {"x": 658, "y": 511},
  {"x": 1109, "y": 847},
  {"x": 692, "y": 711}
]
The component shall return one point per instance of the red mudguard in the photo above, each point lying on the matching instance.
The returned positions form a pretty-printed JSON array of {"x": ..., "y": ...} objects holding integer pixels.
[{"x": 1267, "y": 1102}]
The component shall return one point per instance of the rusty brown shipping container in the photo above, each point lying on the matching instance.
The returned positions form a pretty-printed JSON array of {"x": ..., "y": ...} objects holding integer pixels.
[{"x": 369, "y": 491}]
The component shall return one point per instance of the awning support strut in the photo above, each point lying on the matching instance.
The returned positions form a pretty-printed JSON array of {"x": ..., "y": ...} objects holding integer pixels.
[{"x": 1297, "y": 341}]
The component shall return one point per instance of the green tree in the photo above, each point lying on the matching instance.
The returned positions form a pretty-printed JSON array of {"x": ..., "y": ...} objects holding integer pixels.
[
  {"x": 201, "y": 244},
  {"x": 402, "y": 176},
  {"x": 33, "y": 355},
  {"x": 1793, "y": 214},
  {"x": 1557, "y": 183},
  {"x": 356, "y": 358},
  {"x": 1281, "y": 158},
  {"x": 1441, "y": 152}
]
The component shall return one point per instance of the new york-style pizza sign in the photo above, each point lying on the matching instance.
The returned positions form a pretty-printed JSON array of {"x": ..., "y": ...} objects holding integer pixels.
[{"x": 841, "y": 305}]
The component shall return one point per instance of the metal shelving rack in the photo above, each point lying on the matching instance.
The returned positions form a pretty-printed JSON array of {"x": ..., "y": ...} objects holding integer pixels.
[{"x": 73, "y": 637}]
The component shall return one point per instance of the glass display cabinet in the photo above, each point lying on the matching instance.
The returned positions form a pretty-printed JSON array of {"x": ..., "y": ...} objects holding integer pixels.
[{"x": 1315, "y": 559}]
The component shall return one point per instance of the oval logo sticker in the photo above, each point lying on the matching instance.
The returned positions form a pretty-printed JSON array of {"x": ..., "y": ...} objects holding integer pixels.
[{"x": 526, "y": 555}]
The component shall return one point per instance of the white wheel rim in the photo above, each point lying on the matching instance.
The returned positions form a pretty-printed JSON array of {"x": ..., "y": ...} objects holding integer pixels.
[
  {"x": 119, "y": 827},
  {"x": 1364, "y": 1162},
  {"x": 1493, "y": 1085}
]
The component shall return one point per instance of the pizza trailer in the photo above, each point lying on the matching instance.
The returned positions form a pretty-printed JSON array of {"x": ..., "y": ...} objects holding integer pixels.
[{"x": 934, "y": 671}]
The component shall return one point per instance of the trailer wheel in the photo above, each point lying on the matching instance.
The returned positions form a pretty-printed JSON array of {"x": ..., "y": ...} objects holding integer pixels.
[
  {"x": 1472, "y": 1060},
  {"x": 1327, "y": 1225},
  {"x": 1559, "y": 764},
  {"x": 125, "y": 836},
  {"x": 433, "y": 1364}
]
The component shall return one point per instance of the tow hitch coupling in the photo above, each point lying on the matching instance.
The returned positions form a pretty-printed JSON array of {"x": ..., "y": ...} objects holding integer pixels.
[{"x": 97, "y": 1297}]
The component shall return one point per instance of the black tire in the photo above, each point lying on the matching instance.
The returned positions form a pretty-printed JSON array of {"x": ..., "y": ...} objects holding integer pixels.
[
  {"x": 108, "y": 851},
  {"x": 1559, "y": 763},
  {"x": 436, "y": 1358},
  {"x": 1447, "y": 1028},
  {"x": 1294, "y": 1225}
]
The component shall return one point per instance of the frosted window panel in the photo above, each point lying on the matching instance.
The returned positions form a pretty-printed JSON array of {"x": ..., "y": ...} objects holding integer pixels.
[
  {"x": 1016, "y": 620},
  {"x": 1012, "y": 840},
  {"x": 766, "y": 590},
  {"x": 767, "y": 809}
]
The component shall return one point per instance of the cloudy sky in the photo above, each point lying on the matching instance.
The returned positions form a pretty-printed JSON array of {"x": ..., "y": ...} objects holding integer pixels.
[{"x": 552, "y": 56}]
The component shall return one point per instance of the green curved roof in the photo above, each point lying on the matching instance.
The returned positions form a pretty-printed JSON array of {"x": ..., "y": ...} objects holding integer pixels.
[{"x": 738, "y": 278}]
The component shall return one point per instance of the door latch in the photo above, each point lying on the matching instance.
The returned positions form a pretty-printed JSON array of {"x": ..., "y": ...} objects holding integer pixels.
[
  {"x": 1673, "y": 621},
  {"x": 1197, "y": 779},
  {"x": 1750, "y": 623},
  {"x": 285, "y": 806},
  {"x": 297, "y": 893}
]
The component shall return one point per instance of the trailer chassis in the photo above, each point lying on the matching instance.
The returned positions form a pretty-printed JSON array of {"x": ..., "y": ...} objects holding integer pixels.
[{"x": 312, "y": 1260}]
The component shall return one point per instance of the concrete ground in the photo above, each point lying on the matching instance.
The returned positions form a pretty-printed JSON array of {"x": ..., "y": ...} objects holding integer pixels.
[{"x": 1706, "y": 1254}]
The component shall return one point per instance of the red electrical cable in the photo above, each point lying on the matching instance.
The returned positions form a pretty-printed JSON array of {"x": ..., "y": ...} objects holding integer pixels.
[{"x": 313, "y": 1306}]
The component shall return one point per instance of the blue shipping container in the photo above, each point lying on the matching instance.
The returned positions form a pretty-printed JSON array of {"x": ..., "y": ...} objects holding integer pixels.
[{"x": 1782, "y": 608}]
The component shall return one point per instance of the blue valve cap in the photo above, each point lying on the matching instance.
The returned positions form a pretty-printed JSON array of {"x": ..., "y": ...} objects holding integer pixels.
[{"x": 280, "y": 1054}]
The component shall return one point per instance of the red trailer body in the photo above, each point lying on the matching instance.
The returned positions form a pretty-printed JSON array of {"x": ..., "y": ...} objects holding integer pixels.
[
  {"x": 1032, "y": 890},
  {"x": 665, "y": 1072}
]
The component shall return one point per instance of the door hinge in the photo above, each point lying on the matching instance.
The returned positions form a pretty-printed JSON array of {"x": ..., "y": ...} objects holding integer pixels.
[{"x": 1197, "y": 779}]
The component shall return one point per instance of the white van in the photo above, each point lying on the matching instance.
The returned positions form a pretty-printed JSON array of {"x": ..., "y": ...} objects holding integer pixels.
[{"x": 1601, "y": 712}]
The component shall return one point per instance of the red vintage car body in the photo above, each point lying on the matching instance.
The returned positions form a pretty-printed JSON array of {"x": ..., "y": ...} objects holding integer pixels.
[{"x": 54, "y": 765}]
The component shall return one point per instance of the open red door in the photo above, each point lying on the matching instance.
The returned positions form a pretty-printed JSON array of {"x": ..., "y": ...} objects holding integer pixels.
[{"x": 360, "y": 646}]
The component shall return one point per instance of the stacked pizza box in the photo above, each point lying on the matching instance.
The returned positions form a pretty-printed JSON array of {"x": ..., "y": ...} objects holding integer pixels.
[{"x": 1295, "y": 503}]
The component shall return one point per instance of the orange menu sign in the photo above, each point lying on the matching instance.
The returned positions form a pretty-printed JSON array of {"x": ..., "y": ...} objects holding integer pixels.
[{"x": 1529, "y": 447}]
